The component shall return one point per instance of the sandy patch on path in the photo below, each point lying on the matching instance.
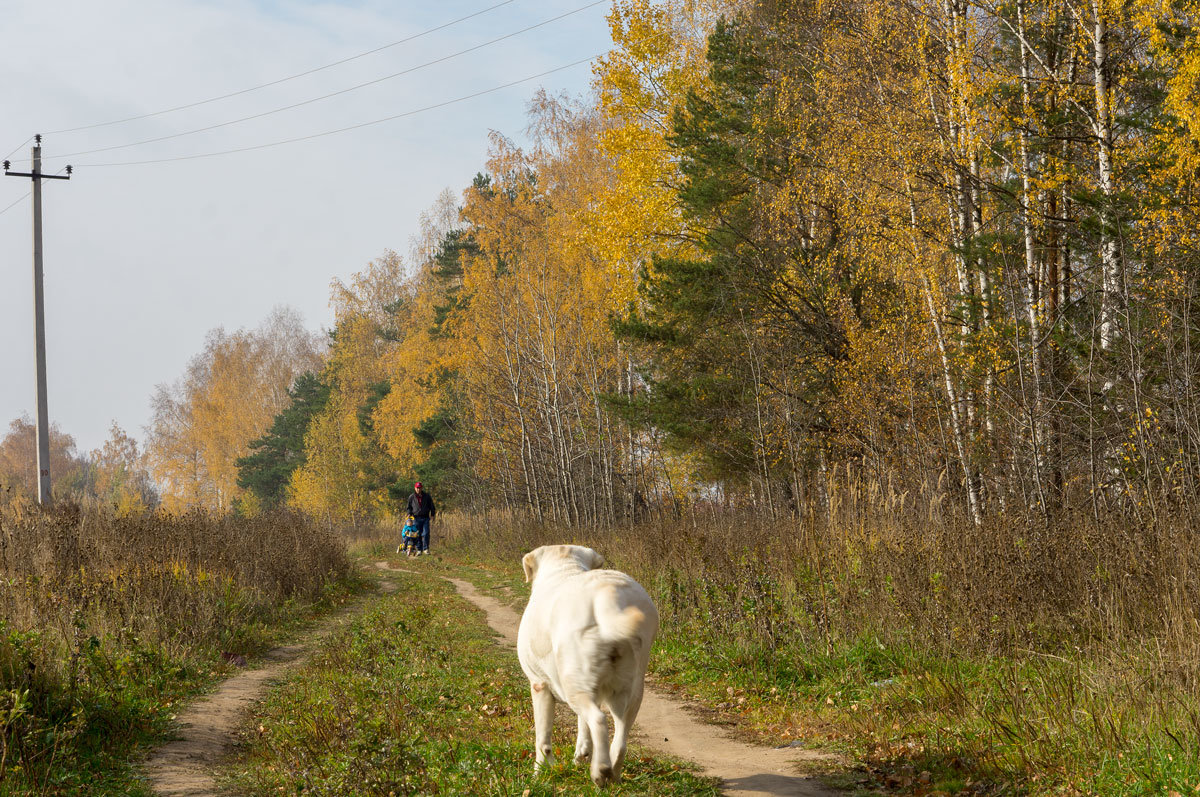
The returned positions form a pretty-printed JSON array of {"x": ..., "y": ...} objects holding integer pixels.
[{"x": 664, "y": 724}]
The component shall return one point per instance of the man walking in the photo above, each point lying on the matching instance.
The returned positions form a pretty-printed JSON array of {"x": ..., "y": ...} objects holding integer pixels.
[{"x": 421, "y": 507}]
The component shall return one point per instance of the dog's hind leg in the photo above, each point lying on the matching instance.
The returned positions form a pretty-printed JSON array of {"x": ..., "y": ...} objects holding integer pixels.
[
  {"x": 583, "y": 741},
  {"x": 597, "y": 723},
  {"x": 543, "y": 724},
  {"x": 624, "y": 707}
]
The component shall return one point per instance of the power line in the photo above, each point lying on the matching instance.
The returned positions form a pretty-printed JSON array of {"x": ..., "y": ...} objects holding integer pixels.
[
  {"x": 335, "y": 93},
  {"x": 18, "y": 147},
  {"x": 18, "y": 201},
  {"x": 24, "y": 196},
  {"x": 350, "y": 127},
  {"x": 282, "y": 79}
]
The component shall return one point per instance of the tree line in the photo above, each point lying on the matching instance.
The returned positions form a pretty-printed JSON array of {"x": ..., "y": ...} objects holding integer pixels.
[
  {"x": 948, "y": 248},
  {"x": 113, "y": 475}
]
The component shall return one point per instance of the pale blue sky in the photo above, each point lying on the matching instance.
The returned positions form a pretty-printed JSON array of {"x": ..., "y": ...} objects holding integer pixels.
[{"x": 141, "y": 261}]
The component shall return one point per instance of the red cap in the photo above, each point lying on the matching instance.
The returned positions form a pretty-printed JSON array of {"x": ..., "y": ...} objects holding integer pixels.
[{"x": 418, "y": 484}]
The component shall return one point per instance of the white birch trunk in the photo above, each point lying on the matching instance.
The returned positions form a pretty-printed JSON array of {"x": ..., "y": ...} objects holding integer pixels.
[
  {"x": 956, "y": 421},
  {"x": 1109, "y": 259},
  {"x": 1032, "y": 263}
]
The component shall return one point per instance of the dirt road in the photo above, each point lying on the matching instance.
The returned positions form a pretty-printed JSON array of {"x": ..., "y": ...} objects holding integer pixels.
[
  {"x": 185, "y": 767},
  {"x": 207, "y": 728}
]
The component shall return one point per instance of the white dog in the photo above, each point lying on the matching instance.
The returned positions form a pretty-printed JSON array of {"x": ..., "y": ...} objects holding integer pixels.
[{"x": 585, "y": 641}]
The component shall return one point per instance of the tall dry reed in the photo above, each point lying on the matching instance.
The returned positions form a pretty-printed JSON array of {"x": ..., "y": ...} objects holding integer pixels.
[{"x": 869, "y": 563}]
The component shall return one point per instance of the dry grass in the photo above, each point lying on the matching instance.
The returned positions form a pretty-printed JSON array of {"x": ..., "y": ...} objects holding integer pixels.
[
  {"x": 1058, "y": 656},
  {"x": 106, "y": 622},
  {"x": 946, "y": 585}
]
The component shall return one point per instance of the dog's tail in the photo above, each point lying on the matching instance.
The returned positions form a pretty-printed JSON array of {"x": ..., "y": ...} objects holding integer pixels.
[{"x": 627, "y": 622}]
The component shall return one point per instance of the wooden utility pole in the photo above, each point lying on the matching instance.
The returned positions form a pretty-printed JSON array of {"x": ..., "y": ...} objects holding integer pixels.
[{"x": 39, "y": 316}]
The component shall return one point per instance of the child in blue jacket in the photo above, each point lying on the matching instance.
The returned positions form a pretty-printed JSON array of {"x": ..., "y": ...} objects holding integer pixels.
[{"x": 411, "y": 537}]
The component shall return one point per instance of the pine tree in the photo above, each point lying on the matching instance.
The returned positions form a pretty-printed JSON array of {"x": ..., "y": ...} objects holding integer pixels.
[{"x": 267, "y": 471}]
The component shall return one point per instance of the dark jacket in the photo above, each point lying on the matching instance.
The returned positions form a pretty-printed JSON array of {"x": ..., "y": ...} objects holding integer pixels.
[{"x": 421, "y": 505}]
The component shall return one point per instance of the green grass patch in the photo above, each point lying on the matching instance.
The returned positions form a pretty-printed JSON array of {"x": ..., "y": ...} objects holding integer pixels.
[
  {"x": 416, "y": 697},
  {"x": 1033, "y": 724}
]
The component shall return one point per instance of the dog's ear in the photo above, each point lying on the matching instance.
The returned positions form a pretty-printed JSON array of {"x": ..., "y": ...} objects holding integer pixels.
[
  {"x": 597, "y": 560},
  {"x": 530, "y": 562}
]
